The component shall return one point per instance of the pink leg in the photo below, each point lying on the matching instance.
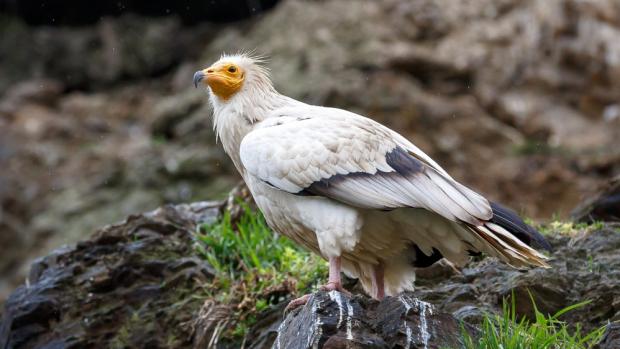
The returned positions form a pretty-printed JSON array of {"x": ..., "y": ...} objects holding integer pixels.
[
  {"x": 378, "y": 282},
  {"x": 334, "y": 283}
]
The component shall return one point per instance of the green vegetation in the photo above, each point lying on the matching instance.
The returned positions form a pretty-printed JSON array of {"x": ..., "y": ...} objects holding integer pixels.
[
  {"x": 534, "y": 147},
  {"x": 255, "y": 267},
  {"x": 505, "y": 331},
  {"x": 569, "y": 228}
]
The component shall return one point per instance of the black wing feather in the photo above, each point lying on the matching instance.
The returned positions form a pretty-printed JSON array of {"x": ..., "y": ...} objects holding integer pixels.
[{"x": 509, "y": 220}]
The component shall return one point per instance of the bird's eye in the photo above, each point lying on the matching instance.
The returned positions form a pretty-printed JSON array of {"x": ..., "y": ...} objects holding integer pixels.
[{"x": 232, "y": 69}]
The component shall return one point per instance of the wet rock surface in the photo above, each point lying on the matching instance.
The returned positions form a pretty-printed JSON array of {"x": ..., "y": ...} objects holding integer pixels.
[
  {"x": 334, "y": 320},
  {"x": 131, "y": 285}
]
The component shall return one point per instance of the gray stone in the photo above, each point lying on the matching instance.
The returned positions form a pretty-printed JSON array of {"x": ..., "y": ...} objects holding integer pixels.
[
  {"x": 130, "y": 285},
  {"x": 333, "y": 320}
]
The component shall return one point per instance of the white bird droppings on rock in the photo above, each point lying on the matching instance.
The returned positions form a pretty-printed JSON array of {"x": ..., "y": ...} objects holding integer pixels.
[
  {"x": 349, "y": 321},
  {"x": 280, "y": 328},
  {"x": 315, "y": 336},
  {"x": 424, "y": 309},
  {"x": 408, "y": 330},
  {"x": 423, "y": 323},
  {"x": 337, "y": 297}
]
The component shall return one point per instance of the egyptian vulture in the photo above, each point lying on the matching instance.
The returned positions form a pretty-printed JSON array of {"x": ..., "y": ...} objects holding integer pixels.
[{"x": 352, "y": 190}]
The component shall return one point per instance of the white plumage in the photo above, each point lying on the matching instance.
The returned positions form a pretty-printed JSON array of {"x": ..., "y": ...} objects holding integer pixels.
[{"x": 351, "y": 189}]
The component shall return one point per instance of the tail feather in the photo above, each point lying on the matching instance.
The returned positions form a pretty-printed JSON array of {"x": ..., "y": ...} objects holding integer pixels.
[
  {"x": 510, "y": 249},
  {"x": 509, "y": 220},
  {"x": 511, "y": 239}
]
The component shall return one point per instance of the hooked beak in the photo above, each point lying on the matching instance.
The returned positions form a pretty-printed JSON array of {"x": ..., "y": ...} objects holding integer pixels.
[{"x": 198, "y": 77}]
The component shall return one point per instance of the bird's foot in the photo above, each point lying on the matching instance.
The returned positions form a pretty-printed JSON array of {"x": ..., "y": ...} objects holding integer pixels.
[
  {"x": 335, "y": 286},
  {"x": 297, "y": 302}
]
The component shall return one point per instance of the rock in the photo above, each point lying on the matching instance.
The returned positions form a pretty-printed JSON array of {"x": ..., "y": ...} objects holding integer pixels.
[
  {"x": 334, "y": 320},
  {"x": 126, "y": 47},
  {"x": 611, "y": 338},
  {"x": 43, "y": 91},
  {"x": 138, "y": 283},
  {"x": 130, "y": 285},
  {"x": 584, "y": 267},
  {"x": 517, "y": 99},
  {"x": 605, "y": 206}
]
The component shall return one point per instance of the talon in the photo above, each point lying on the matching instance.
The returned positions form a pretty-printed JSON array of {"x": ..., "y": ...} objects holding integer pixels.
[
  {"x": 296, "y": 303},
  {"x": 335, "y": 286}
]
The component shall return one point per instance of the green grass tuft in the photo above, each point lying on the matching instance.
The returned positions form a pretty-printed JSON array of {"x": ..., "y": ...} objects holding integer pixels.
[
  {"x": 505, "y": 331},
  {"x": 255, "y": 267}
]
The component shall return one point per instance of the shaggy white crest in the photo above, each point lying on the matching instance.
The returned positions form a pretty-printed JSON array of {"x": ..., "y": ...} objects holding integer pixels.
[{"x": 353, "y": 190}]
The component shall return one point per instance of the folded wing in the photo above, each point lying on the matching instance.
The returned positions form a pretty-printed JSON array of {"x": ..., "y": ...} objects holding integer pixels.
[{"x": 354, "y": 160}]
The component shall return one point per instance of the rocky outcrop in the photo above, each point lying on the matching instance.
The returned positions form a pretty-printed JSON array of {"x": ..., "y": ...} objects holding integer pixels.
[
  {"x": 84, "y": 141},
  {"x": 604, "y": 206},
  {"x": 611, "y": 338},
  {"x": 132, "y": 284},
  {"x": 514, "y": 98},
  {"x": 336, "y": 321},
  {"x": 585, "y": 266},
  {"x": 140, "y": 283}
]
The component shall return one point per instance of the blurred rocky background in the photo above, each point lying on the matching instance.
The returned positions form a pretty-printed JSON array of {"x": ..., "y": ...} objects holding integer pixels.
[{"x": 519, "y": 99}]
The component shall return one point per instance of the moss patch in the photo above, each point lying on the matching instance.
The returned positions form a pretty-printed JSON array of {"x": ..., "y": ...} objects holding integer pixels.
[{"x": 569, "y": 228}]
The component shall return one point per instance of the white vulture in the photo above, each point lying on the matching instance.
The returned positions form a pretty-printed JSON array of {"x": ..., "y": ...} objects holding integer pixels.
[{"x": 352, "y": 190}]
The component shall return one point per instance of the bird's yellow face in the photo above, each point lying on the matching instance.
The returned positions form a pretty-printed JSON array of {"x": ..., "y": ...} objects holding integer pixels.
[{"x": 224, "y": 78}]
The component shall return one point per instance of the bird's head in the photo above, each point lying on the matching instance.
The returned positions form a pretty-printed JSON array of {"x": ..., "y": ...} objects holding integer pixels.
[{"x": 232, "y": 74}]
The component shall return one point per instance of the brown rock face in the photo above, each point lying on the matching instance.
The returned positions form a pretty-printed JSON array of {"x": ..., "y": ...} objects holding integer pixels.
[
  {"x": 513, "y": 97},
  {"x": 516, "y": 98}
]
